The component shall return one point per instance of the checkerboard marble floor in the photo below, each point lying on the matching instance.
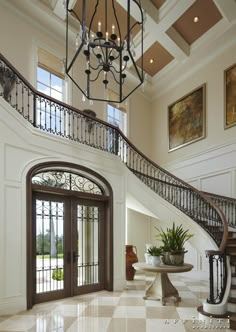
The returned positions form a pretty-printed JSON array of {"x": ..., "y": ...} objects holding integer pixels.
[{"x": 124, "y": 311}]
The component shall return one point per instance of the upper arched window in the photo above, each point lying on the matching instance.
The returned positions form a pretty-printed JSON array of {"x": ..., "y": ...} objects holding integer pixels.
[{"x": 67, "y": 180}]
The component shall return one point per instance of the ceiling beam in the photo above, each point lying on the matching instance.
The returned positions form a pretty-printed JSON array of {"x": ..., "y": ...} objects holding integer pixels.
[
  {"x": 227, "y": 9},
  {"x": 150, "y": 10},
  {"x": 164, "y": 33},
  {"x": 172, "y": 12}
]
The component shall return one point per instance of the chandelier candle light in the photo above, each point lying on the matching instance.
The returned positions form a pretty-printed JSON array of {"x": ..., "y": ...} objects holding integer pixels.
[{"x": 109, "y": 35}]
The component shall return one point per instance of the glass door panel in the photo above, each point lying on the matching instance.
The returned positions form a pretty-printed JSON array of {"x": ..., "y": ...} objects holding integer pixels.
[{"x": 89, "y": 247}]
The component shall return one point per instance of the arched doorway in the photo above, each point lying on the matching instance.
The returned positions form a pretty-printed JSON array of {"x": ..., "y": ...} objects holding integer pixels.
[{"x": 69, "y": 232}]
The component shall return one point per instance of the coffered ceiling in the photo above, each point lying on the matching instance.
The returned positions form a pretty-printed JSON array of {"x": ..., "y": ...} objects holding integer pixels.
[{"x": 174, "y": 29}]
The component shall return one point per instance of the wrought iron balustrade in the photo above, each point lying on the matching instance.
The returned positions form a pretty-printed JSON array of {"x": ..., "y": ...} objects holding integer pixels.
[
  {"x": 228, "y": 207},
  {"x": 58, "y": 118},
  {"x": 217, "y": 276}
]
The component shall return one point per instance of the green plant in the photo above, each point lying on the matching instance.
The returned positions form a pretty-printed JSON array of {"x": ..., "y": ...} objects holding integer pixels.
[
  {"x": 58, "y": 274},
  {"x": 155, "y": 251},
  {"x": 174, "y": 238}
]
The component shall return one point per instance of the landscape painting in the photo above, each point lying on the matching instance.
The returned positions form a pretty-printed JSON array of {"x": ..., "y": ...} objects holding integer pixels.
[
  {"x": 186, "y": 119},
  {"x": 230, "y": 96}
]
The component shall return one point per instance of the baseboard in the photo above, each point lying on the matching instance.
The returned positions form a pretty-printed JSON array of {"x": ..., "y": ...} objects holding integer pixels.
[{"x": 12, "y": 308}]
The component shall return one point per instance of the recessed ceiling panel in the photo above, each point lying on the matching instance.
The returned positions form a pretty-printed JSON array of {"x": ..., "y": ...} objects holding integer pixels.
[
  {"x": 99, "y": 15},
  {"x": 155, "y": 59},
  {"x": 205, "y": 13}
]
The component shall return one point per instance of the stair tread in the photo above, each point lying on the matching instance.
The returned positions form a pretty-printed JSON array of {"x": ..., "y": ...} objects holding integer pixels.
[{"x": 233, "y": 316}]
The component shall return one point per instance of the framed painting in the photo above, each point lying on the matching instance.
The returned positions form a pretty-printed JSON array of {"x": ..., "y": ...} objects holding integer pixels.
[
  {"x": 186, "y": 119},
  {"x": 230, "y": 96}
]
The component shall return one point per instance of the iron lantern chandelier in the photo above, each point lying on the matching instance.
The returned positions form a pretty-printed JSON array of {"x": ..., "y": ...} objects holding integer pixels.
[{"x": 108, "y": 38}]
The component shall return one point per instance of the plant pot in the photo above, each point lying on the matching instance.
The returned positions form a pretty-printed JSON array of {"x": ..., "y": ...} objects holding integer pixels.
[
  {"x": 148, "y": 258},
  {"x": 156, "y": 260},
  {"x": 166, "y": 258},
  {"x": 177, "y": 258}
]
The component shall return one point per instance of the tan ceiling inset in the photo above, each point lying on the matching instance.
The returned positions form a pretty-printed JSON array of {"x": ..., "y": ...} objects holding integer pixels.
[
  {"x": 208, "y": 15},
  {"x": 158, "y": 3},
  {"x": 161, "y": 57}
]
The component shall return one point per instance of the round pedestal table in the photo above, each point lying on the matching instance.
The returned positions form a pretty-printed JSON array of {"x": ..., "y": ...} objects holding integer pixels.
[{"x": 161, "y": 288}]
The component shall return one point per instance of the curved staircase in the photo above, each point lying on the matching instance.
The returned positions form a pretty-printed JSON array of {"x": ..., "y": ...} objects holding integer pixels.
[{"x": 70, "y": 123}]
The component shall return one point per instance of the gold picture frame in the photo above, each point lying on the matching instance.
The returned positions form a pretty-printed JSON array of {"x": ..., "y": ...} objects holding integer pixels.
[
  {"x": 230, "y": 96},
  {"x": 186, "y": 119}
]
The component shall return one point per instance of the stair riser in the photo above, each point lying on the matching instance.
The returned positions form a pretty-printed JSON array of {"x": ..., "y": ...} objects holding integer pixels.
[
  {"x": 232, "y": 325},
  {"x": 231, "y": 241},
  {"x": 232, "y": 259},
  {"x": 231, "y": 234},
  {"x": 233, "y": 293},
  {"x": 233, "y": 281},
  {"x": 231, "y": 250},
  {"x": 231, "y": 307},
  {"x": 233, "y": 269}
]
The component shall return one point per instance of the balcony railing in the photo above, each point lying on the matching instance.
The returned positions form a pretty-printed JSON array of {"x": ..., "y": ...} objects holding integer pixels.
[{"x": 57, "y": 118}]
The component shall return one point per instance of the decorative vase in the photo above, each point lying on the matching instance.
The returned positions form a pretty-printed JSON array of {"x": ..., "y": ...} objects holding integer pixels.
[
  {"x": 156, "y": 260},
  {"x": 131, "y": 258}
]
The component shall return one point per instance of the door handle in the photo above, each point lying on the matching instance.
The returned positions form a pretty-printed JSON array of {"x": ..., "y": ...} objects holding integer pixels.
[{"x": 75, "y": 257}]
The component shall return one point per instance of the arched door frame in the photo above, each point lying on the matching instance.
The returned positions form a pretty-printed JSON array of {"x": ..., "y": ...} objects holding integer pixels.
[{"x": 108, "y": 273}]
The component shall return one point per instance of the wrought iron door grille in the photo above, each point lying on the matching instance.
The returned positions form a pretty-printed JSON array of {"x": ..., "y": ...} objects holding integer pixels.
[
  {"x": 67, "y": 180},
  {"x": 88, "y": 244},
  {"x": 49, "y": 246}
]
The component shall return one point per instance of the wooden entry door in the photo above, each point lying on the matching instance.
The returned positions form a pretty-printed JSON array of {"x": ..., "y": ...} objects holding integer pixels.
[{"x": 68, "y": 244}]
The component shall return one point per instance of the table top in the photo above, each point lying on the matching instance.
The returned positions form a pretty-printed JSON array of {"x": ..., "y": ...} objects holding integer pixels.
[{"x": 163, "y": 268}]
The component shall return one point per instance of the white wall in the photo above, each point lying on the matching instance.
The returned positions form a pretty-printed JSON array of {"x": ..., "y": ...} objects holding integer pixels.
[
  {"x": 138, "y": 231},
  {"x": 22, "y": 147},
  {"x": 210, "y": 163}
]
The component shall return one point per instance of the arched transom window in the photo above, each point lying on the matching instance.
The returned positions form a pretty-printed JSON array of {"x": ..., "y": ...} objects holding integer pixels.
[{"x": 67, "y": 180}]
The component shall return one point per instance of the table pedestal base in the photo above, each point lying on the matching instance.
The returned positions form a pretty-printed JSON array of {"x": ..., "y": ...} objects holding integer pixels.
[{"x": 161, "y": 288}]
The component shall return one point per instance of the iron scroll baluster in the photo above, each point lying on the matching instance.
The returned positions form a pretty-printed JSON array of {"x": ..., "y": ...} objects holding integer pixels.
[{"x": 217, "y": 276}]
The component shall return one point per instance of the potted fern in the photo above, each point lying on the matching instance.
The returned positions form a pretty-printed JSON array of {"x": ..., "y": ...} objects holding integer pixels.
[
  {"x": 174, "y": 240},
  {"x": 156, "y": 253}
]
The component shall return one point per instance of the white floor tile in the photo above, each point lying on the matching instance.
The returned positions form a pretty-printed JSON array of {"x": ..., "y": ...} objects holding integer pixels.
[
  {"x": 85, "y": 324},
  {"x": 129, "y": 312}
]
